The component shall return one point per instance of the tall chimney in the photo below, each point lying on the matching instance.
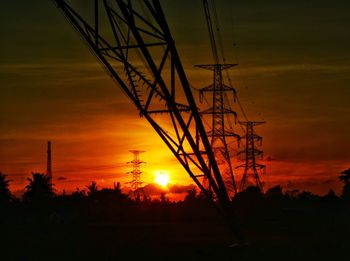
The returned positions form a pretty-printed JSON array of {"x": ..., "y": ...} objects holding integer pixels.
[{"x": 49, "y": 169}]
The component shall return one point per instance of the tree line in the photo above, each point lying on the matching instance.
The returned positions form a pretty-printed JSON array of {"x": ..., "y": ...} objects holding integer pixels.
[{"x": 41, "y": 188}]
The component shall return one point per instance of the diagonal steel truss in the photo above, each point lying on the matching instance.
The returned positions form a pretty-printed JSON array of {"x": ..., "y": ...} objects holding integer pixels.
[{"x": 133, "y": 42}]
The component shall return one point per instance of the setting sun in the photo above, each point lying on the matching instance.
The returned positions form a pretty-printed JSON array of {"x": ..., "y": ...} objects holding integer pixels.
[{"x": 162, "y": 178}]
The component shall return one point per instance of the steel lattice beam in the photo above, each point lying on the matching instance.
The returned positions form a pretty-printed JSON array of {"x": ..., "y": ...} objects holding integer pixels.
[{"x": 138, "y": 32}]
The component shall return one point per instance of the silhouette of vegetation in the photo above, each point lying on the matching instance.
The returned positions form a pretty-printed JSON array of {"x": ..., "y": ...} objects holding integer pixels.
[
  {"x": 191, "y": 195},
  {"x": 345, "y": 178},
  {"x": 92, "y": 189},
  {"x": 5, "y": 193},
  {"x": 331, "y": 197},
  {"x": 106, "y": 219},
  {"x": 78, "y": 194},
  {"x": 248, "y": 202},
  {"x": 307, "y": 196},
  {"x": 110, "y": 195},
  {"x": 39, "y": 188},
  {"x": 275, "y": 193}
]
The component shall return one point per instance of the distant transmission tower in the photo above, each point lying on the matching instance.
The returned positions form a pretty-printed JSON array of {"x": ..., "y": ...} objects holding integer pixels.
[
  {"x": 49, "y": 163},
  {"x": 220, "y": 110},
  {"x": 221, "y": 123},
  {"x": 136, "y": 183},
  {"x": 253, "y": 143}
]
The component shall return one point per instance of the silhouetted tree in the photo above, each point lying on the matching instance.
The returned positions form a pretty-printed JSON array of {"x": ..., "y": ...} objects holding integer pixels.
[
  {"x": 248, "y": 202},
  {"x": 275, "y": 197},
  {"x": 331, "y": 197},
  {"x": 5, "y": 193},
  {"x": 346, "y": 192},
  {"x": 307, "y": 196},
  {"x": 117, "y": 187},
  {"x": 92, "y": 189},
  {"x": 40, "y": 187},
  {"x": 110, "y": 196},
  {"x": 274, "y": 193},
  {"x": 78, "y": 194},
  {"x": 164, "y": 198},
  {"x": 191, "y": 195},
  {"x": 345, "y": 178},
  {"x": 292, "y": 194},
  {"x": 119, "y": 194}
]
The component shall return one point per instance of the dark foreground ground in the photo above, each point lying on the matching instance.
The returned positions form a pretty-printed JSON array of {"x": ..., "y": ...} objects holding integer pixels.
[{"x": 295, "y": 233}]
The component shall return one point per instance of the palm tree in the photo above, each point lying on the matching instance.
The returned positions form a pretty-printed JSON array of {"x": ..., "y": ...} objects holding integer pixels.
[
  {"x": 92, "y": 189},
  {"x": 40, "y": 187},
  {"x": 5, "y": 194},
  {"x": 345, "y": 176}
]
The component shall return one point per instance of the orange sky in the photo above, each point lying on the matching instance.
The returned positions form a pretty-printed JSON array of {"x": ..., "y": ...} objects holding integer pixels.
[{"x": 293, "y": 73}]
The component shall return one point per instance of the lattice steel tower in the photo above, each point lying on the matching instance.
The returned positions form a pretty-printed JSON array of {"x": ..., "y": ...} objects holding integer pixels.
[
  {"x": 253, "y": 143},
  {"x": 220, "y": 110},
  {"x": 136, "y": 183},
  {"x": 221, "y": 127},
  {"x": 133, "y": 41}
]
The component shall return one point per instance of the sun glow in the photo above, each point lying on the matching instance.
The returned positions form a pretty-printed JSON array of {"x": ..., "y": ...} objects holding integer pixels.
[{"x": 162, "y": 178}]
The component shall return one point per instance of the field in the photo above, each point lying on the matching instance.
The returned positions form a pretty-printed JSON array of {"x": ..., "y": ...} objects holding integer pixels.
[{"x": 306, "y": 232}]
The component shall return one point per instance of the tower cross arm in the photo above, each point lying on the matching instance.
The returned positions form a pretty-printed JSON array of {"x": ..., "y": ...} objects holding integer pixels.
[
  {"x": 212, "y": 88},
  {"x": 212, "y": 67},
  {"x": 252, "y": 123}
]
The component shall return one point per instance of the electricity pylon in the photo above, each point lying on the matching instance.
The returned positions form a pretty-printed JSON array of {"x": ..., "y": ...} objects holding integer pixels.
[
  {"x": 133, "y": 42},
  {"x": 253, "y": 142},
  {"x": 221, "y": 124},
  {"x": 221, "y": 129},
  {"x": 137, "y": 190}
]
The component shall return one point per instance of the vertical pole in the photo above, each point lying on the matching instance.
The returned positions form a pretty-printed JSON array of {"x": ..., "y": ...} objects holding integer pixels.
[{"x": 49, "y": 167}]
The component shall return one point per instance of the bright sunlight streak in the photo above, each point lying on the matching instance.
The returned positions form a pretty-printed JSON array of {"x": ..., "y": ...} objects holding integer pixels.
[{"x": 161, "y": 178}]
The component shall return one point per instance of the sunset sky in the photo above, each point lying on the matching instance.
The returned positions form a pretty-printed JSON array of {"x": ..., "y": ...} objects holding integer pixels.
[{"x": 294, "y": 72}]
